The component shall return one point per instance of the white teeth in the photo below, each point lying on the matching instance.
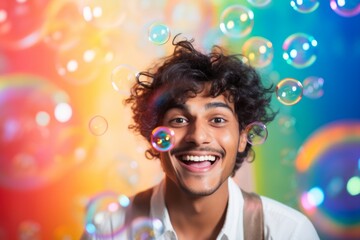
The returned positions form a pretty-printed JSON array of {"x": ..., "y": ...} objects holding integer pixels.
[{"x": 198, "y": 158}]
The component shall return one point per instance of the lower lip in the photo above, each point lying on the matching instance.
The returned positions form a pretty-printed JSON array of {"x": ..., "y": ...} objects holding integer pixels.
[{"x": 196, "y": 169}]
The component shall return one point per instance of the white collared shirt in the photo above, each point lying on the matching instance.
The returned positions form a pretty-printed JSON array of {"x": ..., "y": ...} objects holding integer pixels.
[{"x": 281, "y": 221}]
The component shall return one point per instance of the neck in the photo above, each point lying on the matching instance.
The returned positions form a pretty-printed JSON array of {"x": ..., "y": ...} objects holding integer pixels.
[{"x": 197, "y": 215}]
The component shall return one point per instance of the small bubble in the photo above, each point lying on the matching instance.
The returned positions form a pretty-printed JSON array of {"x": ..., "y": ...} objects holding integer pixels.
[
  {"x": 256, "y": 133},
  {"x": 98, "y": 125},
  {"x": 159, "y": 33},
  {"x": 289, "y": 91},
  {"x": 162, "y": 139},
  {"x": 313, "y": 87}
]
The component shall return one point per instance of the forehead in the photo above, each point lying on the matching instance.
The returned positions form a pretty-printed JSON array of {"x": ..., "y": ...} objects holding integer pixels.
[{"x": 203, "y": 102}]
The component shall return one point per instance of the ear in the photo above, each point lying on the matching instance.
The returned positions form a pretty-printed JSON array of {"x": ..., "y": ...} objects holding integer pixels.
[{"x": 242, "y": 141}]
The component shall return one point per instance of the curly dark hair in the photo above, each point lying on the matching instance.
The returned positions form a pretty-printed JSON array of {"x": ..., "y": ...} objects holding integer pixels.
[{"x": 184, "y": 74}]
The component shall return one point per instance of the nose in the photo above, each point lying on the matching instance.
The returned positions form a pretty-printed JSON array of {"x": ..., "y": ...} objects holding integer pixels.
[{"x": 198, "y": 134}]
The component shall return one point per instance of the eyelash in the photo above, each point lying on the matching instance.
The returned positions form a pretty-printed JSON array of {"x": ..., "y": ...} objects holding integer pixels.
[{"x": 182, "y": 120}]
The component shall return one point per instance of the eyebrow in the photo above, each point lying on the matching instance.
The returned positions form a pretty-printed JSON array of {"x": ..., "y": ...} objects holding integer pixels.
[
  {"x": 207, "y": 106},
  {"x": 216, "y": 105}
]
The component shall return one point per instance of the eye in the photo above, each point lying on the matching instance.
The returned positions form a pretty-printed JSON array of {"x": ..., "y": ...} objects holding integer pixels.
[
  {"x": 178, "y": 121},
  {"x": 218, "y": 120}
]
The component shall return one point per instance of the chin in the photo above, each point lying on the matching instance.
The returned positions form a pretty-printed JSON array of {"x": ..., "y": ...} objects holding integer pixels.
[{"x": 199, "y": 192}]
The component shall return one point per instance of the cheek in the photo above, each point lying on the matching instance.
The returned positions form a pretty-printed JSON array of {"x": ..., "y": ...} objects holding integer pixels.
[{"x": 230, "y": 138}]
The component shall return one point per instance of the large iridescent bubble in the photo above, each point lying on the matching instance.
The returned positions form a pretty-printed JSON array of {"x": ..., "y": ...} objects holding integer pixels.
[
  {"x": 40, "y": 137},
  {"x": 259, "y": 3},
  {"x": 237, "y": 21},
  {"x": 21, "y": 23},
  {"x": 64, "y": 25},
  {"x": 300, "y": 50},
  {"x": 259, "y": 51},
  {"x": 103, "y": 14},
  {"x": 344, "y": 8},
  {"x": 105, "y": 215},
  {"x": 305, "y": 6},
  {"x": 328, "y": 167}
]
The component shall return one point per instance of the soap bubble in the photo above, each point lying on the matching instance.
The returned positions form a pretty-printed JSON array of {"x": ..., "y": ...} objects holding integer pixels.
[
  {"x": 259, "y": 3},
  {"x": 313, "y": 87},
  {"x": 40, "y": 138},
  {"x": 103, "y": 14},
  {"x": 146, "y": 228},
  {"x": 81, "y": 64},
  {"x": 123, "y": 78},
  {"x": 105, "y": 215},
  {"x": 162, "y": 139},
  {"x": 63, "y": 25},
  {"x": 327, "y": 165},
  {"x": 159, "y": 33},
  {"x": 289, "y": 91},
  {"x": 300, "y": 50},
  {"x": 98, "y": 125},
  {"x": 237, "y": 21},
  {"x": 345, "y": 8},
  {"x": 21, "y": 23},
  {"x": 256, "y": 133},
  {"x": 259, "y": 51},
  {"x": 305, "y": 6}
]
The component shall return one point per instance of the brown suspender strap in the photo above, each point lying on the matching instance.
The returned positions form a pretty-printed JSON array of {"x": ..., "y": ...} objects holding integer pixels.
[{"x": 253, "y": 217}]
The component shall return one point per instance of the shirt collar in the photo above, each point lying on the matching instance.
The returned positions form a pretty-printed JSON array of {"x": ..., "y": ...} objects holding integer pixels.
[{"x": 233, "y": 220}]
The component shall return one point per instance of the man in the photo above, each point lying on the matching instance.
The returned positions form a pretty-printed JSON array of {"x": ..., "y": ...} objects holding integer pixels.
[{"x": 207, "y": 100}]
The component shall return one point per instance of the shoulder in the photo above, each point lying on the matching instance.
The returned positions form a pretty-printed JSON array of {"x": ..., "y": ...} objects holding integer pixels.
[
  {"x": 284, "y": 222},
  {"x": 139, "y": 204}
]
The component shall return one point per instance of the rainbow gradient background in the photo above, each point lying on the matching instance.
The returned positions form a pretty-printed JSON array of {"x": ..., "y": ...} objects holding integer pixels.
[{"x": 55, "y": 157}]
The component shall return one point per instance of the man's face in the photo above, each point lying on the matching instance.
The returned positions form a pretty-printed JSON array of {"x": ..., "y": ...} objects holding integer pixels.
[{"x": 207, "y": 139}]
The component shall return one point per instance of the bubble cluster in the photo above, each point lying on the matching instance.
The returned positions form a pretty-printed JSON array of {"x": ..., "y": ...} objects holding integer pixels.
[
  {"x": 300, "y": 50},
  {"x": 256, "y": 133},
  {"x": 305, "y": 6},
  {"x": 259, "y": 51},
  {"x": 163, "y": 139},
  {"x": 289, "y": 91},
  {"x": 98, "y": 125},
  {"x": 159, "y": 33},
  {"x": 237, "y": 21}
]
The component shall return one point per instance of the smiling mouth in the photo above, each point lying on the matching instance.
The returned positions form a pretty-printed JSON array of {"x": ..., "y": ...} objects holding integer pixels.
[{"x": 198, "y": 160}]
